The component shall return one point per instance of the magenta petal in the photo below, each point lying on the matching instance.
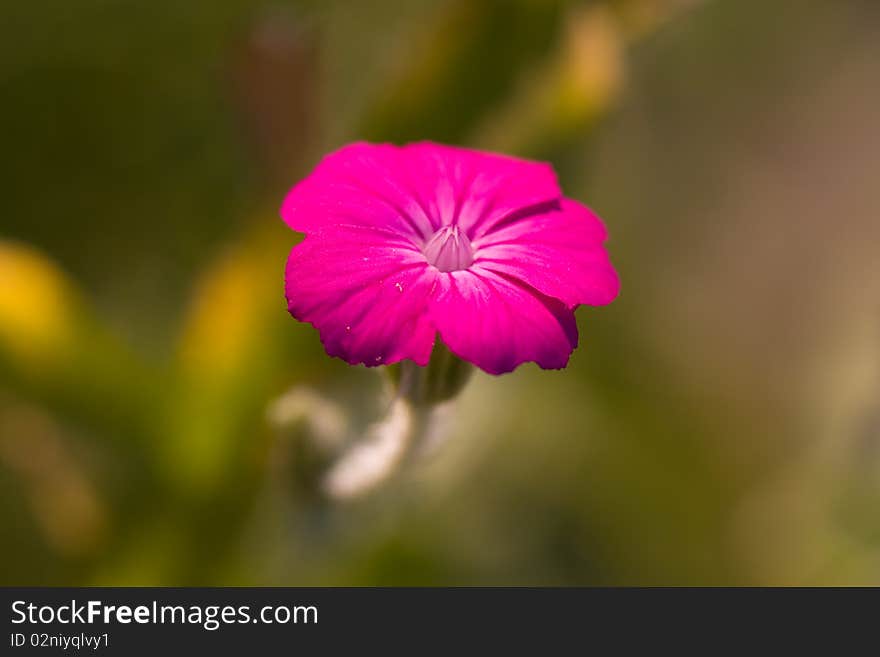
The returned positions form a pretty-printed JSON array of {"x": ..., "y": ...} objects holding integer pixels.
[
  {"x": 475, "y": 189},
  {"x": 559, "y": 253},
  {"x": 360, "y": 184},
  {"x": 366, "y": 298},
  {"x": 497, "y": 324}
]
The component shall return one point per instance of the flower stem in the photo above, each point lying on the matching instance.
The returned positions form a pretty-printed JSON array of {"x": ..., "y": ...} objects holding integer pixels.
[{"x": 409, "y": 429}]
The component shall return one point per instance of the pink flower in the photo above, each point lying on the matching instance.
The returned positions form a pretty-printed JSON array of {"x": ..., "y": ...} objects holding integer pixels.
[{"x": 406, "y": 242}]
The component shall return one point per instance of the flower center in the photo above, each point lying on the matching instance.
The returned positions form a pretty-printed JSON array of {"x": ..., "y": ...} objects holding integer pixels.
[{"x": 449, "y": 249}]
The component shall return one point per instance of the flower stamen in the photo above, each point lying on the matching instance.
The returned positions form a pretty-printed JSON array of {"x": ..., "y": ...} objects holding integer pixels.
[{"x": 449, "y": 249}]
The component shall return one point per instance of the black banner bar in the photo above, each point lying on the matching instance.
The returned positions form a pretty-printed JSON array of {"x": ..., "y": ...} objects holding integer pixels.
[{"x": 150, "y": 621}]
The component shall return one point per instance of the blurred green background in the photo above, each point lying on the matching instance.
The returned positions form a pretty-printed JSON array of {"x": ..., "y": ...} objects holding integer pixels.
[{"x": 719, "y": 424}]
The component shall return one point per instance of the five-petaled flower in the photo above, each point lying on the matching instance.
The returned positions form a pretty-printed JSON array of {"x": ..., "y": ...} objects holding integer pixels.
[{"x": 403, "y": 243}]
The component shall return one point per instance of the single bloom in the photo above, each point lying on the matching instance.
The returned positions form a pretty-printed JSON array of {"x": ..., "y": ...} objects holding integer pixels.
[{"x": 405, "y": 243}]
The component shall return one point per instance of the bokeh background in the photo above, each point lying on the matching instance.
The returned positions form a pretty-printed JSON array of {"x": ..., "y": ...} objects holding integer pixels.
[{"x": 719, "y": 424}]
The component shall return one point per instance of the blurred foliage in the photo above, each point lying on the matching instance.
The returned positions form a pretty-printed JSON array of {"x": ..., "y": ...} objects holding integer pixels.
[{"x": 718, "y": 425}]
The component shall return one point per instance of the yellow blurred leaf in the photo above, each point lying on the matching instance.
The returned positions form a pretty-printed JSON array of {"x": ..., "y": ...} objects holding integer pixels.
[{"x": 37, "y": 305}]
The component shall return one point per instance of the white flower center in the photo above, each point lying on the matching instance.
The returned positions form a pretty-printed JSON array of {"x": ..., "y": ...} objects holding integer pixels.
[{"x": 449, "y": 249}]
